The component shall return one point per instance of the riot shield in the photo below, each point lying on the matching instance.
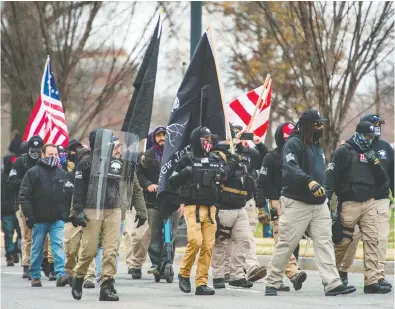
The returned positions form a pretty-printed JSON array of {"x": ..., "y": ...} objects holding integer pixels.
[{"x": 114, "y": 161}]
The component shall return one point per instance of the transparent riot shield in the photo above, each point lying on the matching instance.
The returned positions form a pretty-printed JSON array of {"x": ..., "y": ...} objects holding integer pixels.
[{"x": 114, "y": 161}]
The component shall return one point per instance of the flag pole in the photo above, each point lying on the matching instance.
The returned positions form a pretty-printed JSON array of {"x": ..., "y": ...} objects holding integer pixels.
[
  {"x": 258, "y": 104},
  {"x": 221, "y": 90}
]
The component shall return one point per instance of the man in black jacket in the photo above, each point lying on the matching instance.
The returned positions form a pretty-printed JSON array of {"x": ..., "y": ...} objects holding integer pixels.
[
  {"x": 148, "y": 174},
  {"x": 269, "y": 187},
  {"x": 303, "y": 205},
  {"x": 381, "y": 197},
  {"x": 198, "y": 174},
  {"x": 22, "y": 164},
  {"x": 43, "y": 197},
  {"x": 355, "y": 175}
]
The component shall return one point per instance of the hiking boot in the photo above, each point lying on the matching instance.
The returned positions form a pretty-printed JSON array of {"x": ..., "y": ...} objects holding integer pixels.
[
  {"x": 270, "y": 291},
  {"x": 284, "y": 288},
  {"x": 184, "y": 284},
  {"x": 376, "y": 288},
  {"x": 88, "y": 284},
  {"x": 63, "y": 280},
  {"x": 36, "y": 283},
  {"x": 106, "y": 293},
  {"x": 343, "y": 277},
  {"x": 384, "y": 282},
  {"x": 298, "y": 279},
  {"x": 10, "y": 261},
  {"x": 257, "y": 274},
  {"x": 341, "y": 290},
  {"x": 241, "y": 283},
  {"x": 219, "y": 283},
  {"x": 112, "y": 284},
  {"x": 204, "y": 290},
  {"x": 76, "y": 288},
  {"x": 26, "y": 273},
  {"x": 136, "y": 273},
  {"x": 227, "y": 277},
  {"x": 15, "y": 257}
]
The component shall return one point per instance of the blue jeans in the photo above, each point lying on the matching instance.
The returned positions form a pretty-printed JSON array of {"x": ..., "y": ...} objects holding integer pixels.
[
  {"x": 99, "y": 255},
  {"x": 7, "y": 225},
  {"x": 39, "y": 233}
]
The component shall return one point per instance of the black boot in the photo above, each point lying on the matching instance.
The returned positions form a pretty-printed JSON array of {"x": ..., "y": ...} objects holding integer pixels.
[
  {"x": 219, "y": 283},
  {"x": 376, "y": 288},
  {"x": 204, "y": 290},
  {"x": 270, "y": 291},
  {"x": 26, "y": 273},
  {"x": 52, "y": 276},
  {"x": 106, "y": 293},
  {"x": 184, "y": 284},
  {"x": 136, "y": 273},
  {"x": 15, "y": 256},
  {"x": 76, "y": 288},
  {"x": 341, "y": 290},
  {"x": 284, "y": 288},
  {"x": 112, "y": 286},
  {"x": 10, "y": 260},
  {"x": 241, "y": 283},
  {"x": 298, "y": 279},
  {"x": 257, "y": 274},
  {"x": 343, "y": 277},
  {"x": 384, "y": 282}
]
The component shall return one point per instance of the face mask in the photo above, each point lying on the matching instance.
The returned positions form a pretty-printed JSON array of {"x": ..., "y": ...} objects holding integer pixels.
[
  {"x": 377, "y": 130},
  {"x": 63, "y": 158},
  {"x": 34, "y": 154},
  {"x": 206, "y": 145},
  {"x": 362, "y": 142},
  {"x": 72, "y": 157},
  {"x": 317, "y": 134},
  {"x": 50, "y": 161}
]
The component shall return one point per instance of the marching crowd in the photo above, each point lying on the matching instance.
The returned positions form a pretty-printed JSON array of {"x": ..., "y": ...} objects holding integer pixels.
[{"x": 69, "y": 208}]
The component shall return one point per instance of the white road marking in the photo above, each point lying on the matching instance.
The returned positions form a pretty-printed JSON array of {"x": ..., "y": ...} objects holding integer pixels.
[{"x": 243, "y": 290}]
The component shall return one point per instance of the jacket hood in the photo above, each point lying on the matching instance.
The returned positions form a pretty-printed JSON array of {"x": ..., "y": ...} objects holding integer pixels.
[
  {"x": 83, "y": 152},
  {"x": 279, "y": 135},
  {"x": 151, "y": 137},
  {"x": 196, "y": 147}
]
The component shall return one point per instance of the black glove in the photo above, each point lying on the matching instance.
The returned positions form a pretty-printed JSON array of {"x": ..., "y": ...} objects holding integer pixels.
[
  {"x": 79, "y": 219},
  {"x": 186, "y": 171},
  {"x": 30, "y": 222},
  {"x": 233, "y": 158},
  {"x": 141, "y": 220},
  {"x": 371, "y": 156}
]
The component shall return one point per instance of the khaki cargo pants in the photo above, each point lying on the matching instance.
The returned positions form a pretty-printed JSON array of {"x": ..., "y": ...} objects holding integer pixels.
[
  {"x": 297, "y": 218},
  {"x": 372, "y": 219},
  {"x": 27, "y": 240},
  {"x": 201, "y": 230},
  {"x": 71, "y": 246},
  {"x": 236, "y": 228},
  {"x": 109, "y": 224},
  {"x": 136, "y": 241}
]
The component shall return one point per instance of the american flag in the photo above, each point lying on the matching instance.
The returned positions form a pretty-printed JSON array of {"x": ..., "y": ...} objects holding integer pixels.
[
  {"x": 47, "y": 117},
  {"x": 241, "y": 110}
]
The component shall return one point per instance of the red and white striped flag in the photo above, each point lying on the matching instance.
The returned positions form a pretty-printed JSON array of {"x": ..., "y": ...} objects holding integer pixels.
[
  {"x": 47, "y": 117},
  {"x": 242, "y": 109}
]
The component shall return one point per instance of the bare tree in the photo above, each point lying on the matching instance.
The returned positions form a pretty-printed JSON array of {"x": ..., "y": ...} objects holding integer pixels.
[{"x": 93, "y": 50}]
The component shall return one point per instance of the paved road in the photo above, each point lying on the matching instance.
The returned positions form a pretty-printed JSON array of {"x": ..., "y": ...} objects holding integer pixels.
[{"x": 16, "y": 293}]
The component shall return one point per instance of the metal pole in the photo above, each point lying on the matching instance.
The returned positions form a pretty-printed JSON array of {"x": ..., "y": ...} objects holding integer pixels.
[{"x": 196, "y": 24}]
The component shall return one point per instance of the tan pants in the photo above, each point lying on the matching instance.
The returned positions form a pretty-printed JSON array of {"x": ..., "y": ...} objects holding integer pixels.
[
  {"x": 109, "y": 224},
  {"x": 296, "y": 218},
  {"x": 27, "y": 240},
  {"x": 235, "y": 224},
  {"x": 365, "y": 215},
  {"x": 71, "y": 246},
  {"x": 252, "y": 260},
  {"x": 136, "y": 241},
  {"x": 384, "y": 211},
  {"x": 201, "y": 236},
  {"x": 292, "y": 267}
]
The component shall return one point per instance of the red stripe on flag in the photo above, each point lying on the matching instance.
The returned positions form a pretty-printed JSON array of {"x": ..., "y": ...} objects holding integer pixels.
[
  {"x": 262, "y": 129},
  {"x": 268, "y": 100},
  {"x": 240, "y": 111},
  {"x": 54, "y": 106},
  {"x": 253, "y": 97},
  {"x": 33, "y": 115}
]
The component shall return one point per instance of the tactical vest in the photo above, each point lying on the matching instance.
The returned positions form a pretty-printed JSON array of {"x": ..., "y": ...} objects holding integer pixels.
[
  {"x": 202, "y": 188},
  {"x": 235, "y": 191},
  {"x": 361, "y": 178}
]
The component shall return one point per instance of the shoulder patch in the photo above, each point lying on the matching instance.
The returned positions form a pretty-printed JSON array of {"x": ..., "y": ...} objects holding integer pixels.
[{"x": 290, "y": 157}]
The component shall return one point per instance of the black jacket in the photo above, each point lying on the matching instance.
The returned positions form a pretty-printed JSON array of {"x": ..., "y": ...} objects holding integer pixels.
[
  {"x": 18, "y": 171},
  {"x": 45, "y": 192},
  {"x": 148, "y": 170},
  {"x": 7, "y": 196},
  {"x": 386, "y": 156},
  {"x": 300, "y": 167},
  {"x": 270, "y": 178},
  {"x": 339, "y": 175}
]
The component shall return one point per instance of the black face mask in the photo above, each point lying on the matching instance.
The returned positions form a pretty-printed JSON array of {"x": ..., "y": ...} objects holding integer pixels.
[
  {"x": 72, "y": 157},
  {"x": 317, "y": 134}
]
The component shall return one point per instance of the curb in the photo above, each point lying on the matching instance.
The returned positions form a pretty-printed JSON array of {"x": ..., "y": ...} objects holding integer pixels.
[{"x": 307, "y": 263}]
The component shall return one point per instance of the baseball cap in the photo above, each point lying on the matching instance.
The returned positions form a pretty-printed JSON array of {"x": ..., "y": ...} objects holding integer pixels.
[
  {"x": 366, "y": 128},
  {"x": 36, "y": 143},
  {"x": 312, "y": 115},
  {"x": 288, "y": 128},
  {"x": 373, "y": 118},
  {"x": 160, "y": 130},
  {"x": 72, "y": 143},
  {"x": 205, "y": 132}
]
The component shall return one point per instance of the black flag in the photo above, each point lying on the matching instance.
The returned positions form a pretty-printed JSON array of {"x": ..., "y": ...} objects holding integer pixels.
[
  {"x": 138, "y": 116},
  {"x": 186, "y": 116}
]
